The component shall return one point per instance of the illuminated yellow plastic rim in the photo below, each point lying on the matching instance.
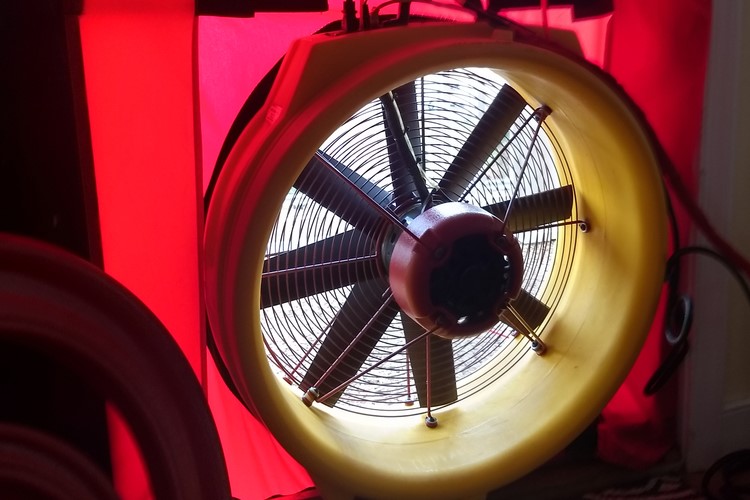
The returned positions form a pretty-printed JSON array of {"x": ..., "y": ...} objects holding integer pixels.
[{"x": 593, "y": 336}]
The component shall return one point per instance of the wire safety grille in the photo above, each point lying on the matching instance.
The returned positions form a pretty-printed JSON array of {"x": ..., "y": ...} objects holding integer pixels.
[{"x": 328, "y": 316}]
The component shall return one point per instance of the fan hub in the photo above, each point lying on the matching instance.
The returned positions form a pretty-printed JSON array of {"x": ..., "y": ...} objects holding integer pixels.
[{"x": 460, "y": 272}]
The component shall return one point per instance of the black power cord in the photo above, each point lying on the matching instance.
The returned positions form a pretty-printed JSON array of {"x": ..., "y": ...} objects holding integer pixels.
[{"x": 678, "y": 320}]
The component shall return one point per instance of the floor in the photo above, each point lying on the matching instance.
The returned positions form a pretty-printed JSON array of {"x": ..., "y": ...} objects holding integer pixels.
[{"x": 586, "y": 478}]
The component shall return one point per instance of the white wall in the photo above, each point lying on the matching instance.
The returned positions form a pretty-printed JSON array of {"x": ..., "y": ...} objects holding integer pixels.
[{"x": 716, "y": 381}]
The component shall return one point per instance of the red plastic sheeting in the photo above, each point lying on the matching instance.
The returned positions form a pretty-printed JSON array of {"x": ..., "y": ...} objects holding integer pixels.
[{"x": 147, "y": 75}]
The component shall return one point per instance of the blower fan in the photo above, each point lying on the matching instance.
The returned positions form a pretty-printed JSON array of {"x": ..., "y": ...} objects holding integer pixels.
[{"x": 433, "y": 255}]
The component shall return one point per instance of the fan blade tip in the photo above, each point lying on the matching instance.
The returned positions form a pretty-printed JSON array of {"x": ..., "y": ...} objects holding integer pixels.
[
  {"x": 532, "y": 311},
  {"x": 505, "y": 109}
]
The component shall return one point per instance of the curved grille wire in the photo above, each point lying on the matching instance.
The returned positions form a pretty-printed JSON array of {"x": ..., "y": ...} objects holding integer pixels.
[{"x": 325, "y": 277}]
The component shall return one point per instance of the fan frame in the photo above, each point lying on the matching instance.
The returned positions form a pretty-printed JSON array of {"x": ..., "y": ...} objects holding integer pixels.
[{"x": 525, "y": 418}]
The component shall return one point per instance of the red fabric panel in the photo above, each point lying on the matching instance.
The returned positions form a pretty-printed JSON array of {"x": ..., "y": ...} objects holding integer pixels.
[
  {"x": 658, "y": 53},
  {"x": 138, "y": 64},
  {"x": 258, "y": 466},
  {"x": 592, "y": 32},
  {"x": 233, "y": 55},
  {"x": 139, "y": 78}
]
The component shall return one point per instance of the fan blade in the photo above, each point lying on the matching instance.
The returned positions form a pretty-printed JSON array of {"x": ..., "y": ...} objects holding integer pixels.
[
  {"x": 536, "y": 210},
  {"x": 362, "y": 305},
  {"x": 442, "y": 371},
  {"x": 404, "y": 142},
  {"x": 489, "y": 131},
  {"x": 319, "y": 181},
  {"x": 532, "y": 311},
  {"x": 406, "y": 98},
  {"x": 325, "y": 265}
]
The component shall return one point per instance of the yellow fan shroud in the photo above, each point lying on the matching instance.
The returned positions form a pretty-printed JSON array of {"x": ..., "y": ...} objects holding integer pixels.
[{"x": 592, "y": 335}]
